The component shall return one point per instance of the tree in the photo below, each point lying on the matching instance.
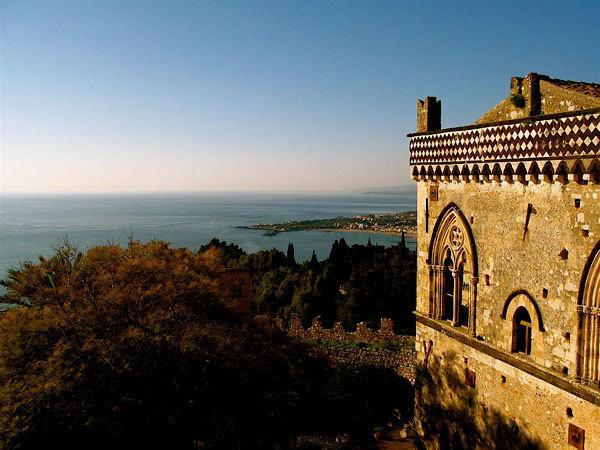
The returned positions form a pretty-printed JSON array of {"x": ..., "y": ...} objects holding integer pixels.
[
  {"x": 291, "y": 259},
  {"x": 230, "y": 252},
  {"x": 314, "y": 262},
  {"x": 380, "y": 282},
  {"x": 274, "y": 290},
  {"x": 135, "y": 348}
]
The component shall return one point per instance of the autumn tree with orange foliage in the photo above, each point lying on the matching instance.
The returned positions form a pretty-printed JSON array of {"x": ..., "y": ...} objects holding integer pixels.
[
  {"x": 124, "y": 346},
  {"x": 134, "y": 348}
]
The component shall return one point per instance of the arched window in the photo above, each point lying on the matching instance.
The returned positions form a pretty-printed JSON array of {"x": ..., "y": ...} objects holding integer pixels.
[
  {"x": 464, "y": 275},
  {"x": 525, "y": 321},
  {"x": 453, "y": 270},
  {"x": 448, "y": 290},
  {"x": 588, "y": 309},
  {"x": 522, "y": 331}
]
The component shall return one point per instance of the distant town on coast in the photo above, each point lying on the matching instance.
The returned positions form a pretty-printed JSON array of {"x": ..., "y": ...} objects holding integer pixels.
[{"x": 397, "y": 223}]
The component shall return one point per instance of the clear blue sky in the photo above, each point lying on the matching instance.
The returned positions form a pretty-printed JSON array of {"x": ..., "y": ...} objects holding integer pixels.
[{"x": 305, "y": 95}]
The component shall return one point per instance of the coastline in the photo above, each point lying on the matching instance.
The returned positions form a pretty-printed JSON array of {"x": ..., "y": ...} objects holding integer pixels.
[
  {"x": 393, "y": 224},
  {"x": 407, "y": 233},
  {"x": 270, "y": 232}
]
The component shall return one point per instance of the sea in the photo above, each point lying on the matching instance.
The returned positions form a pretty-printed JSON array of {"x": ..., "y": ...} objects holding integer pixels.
[{"x": 32, "y": 225}]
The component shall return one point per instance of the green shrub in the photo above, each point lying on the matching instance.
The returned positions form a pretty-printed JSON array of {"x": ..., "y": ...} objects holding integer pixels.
[{"x": 517, "y": 100}]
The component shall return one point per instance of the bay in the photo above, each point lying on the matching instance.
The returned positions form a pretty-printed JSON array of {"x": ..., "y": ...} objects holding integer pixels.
[{"x": 31, "y": 225}]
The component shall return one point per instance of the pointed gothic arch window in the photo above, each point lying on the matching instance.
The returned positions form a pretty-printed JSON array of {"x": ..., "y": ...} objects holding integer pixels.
[
  {"x": 588, "y": 310},
  {"x": 448, "y": 289},
  {"x": 453, "y": 268},
  {"x": 464, "y": 274}
]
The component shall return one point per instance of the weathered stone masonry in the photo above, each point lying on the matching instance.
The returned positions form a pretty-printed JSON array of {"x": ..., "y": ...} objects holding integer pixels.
[
  {"x": 401, "y": 360},
  {"x": 338, "y": 333},
  {"x": 509, "y": 264}
]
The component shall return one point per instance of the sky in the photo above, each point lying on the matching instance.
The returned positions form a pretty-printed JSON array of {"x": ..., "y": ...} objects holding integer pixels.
[{"x": 258, "y": 95}]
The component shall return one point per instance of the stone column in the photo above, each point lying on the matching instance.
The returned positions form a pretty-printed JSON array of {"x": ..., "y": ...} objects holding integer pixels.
[
  {"x": 595, "y": 351},
  {"x": 579, "y": 355},
  {"x": 457, "y": 294},
  {"x": 440, "y": 293},
  {"x": 473, "y": 306},
  {"x": 435, "y": 282},
  {"x": 432, "y": 290},
  {"x": 587, "y": 354},
  {"x": 585, "y": 346}
]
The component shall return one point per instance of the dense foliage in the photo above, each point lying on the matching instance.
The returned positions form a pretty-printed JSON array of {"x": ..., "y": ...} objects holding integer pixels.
[
  {"x": 135, "y": 348},
  {"x": 354, "y": 284}
]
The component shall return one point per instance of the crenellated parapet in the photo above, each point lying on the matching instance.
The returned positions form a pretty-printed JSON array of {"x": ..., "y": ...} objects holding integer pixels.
[
  {"x": 338, "y": 333},
  {"x": 560, "y": 148}
]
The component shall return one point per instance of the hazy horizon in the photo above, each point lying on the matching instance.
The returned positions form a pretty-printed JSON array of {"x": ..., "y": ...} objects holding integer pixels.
[
  {"x": 110, "y": 97},
  {"x": 371, "y": 190}
]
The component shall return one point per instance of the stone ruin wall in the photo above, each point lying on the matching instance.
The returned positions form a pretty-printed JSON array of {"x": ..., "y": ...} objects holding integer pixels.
[
  {"x": 401, "y": 361},
  {"x": 550, "y": 98},
  {"x": 338, "y": 333}
]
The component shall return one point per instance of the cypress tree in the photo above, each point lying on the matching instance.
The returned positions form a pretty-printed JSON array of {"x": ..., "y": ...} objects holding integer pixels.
[
  {"x": 333, "y": 252},
  {"x": 314, "y": 262},
  {"x": 291, "y": 258},
  {"x": 403, "y": 247}
]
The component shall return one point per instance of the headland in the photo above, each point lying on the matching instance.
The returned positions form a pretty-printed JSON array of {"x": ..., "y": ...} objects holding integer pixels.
[{"x": 395, "y": 223}]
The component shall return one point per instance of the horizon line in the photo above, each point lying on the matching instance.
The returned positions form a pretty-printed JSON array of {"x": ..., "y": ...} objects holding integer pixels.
[{"x": 208, "y": 191}]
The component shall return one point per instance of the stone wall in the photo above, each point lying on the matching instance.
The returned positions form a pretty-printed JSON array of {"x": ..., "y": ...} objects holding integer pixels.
[
  {"x": 400, "y": 359},
  {"x": 546, "y": 262},
  {"x": 402, "y": 362},
  {"x": 551, "y": 98},
  {"x": 496, "y": 213},
  {"x": 505, "y": 402},
  {"x": 338, "y": 333}
]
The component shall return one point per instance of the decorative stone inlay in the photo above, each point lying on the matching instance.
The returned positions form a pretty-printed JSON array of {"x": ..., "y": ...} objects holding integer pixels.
[{"x": 569, "y": 143}]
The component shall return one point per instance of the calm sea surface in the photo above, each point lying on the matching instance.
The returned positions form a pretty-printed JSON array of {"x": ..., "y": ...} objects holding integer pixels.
[{"x": 31, "y": 225}]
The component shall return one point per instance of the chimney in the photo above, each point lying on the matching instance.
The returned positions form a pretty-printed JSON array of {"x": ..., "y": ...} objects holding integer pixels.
[
  {"x": 429, "y": 115},
  {"x": 531, "y": 91}
]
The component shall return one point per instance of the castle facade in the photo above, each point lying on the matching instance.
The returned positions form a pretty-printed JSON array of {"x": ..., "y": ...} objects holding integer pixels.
[{"x": 508, "y": 294}]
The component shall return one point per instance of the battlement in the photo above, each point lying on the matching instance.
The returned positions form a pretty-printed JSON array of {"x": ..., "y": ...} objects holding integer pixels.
[
  {"x": 338, "y": 333},
  {"x": 559, "y": 147}
]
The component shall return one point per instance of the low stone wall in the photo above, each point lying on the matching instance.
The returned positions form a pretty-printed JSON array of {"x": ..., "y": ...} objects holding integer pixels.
[
  {"x": 338, "y": 333},
  {"x": 401, "y": 359}
]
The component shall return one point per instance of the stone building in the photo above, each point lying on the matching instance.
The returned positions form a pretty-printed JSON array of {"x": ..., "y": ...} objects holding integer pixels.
[{"x": 508, "y": 295}]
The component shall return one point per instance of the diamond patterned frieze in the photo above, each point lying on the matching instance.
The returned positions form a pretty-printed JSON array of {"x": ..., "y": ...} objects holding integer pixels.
[{"x": 544, "y": 138}]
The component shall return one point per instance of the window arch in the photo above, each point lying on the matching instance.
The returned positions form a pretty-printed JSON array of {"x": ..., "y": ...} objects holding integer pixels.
[
  {"x": 588, "y": 311},
  {"x": 524, "y": 316},
  {"x": 526, "y": 300},
  {"x": 522, "y": 326},
  {"x": 453, "y": 270}
]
